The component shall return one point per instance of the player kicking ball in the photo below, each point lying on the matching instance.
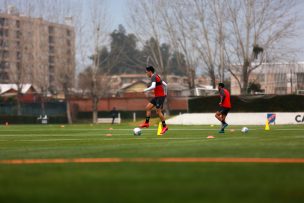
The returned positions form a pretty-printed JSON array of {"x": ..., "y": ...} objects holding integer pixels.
[
  {"x": 159, "y": 97},
  {"x": 225, "y": 106}
]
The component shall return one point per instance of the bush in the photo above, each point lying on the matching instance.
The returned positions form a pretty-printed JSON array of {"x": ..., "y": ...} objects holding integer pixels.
[
  {"x": 12, "y": 119},
  {"x": 123, "y": 114},
  {"x": 265, "y": 103}
]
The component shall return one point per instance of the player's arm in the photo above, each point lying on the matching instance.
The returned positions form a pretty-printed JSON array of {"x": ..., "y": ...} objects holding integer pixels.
[
  {"x": 222, "y": 96},
  {"x": 165, "y": 86},
  {"x": 153, "y": 85}
]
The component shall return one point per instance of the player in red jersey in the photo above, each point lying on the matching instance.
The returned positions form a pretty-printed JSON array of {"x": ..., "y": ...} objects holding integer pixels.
[
  {"x": 159, "y": 87},
  {"x": 225, "y": 106}
]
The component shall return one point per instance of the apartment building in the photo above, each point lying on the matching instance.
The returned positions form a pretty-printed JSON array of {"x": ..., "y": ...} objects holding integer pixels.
[
  {"x": 36, "y": 51},
  {"x": 276, "y": 78}
]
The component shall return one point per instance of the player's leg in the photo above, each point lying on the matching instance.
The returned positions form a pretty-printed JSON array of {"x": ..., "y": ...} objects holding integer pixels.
[
  {"x": 149, "y": 107},
  {"x": 218, "y": 115},
  {"x": 224, "y": 114},
  {"x": 159, "y": 106},
  {"x": 161, "y": 116}
]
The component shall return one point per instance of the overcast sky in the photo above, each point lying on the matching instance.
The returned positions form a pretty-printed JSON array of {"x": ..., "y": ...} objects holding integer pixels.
[{"x": 118, "y": 12}]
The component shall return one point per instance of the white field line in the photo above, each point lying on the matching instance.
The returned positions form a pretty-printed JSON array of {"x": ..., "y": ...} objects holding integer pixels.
[
  {"x": 107, "y": 139},
  {"x": 64, "y": 135},
  {"x": 116, "y": 139},
  {"x": 47, "y": 140},
  {"x": 81, "y": 129},
  {"x": 150, "y": 129}
]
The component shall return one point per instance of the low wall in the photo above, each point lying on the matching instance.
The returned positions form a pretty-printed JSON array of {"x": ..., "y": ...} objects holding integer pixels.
[
  {"x": 127, "y": 104},
  {"x": 237, "y": 118}
]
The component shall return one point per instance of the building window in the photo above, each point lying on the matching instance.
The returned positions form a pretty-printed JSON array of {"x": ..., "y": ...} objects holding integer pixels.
[
  {"x": 68, "y": 42},
  {"x": 261, "y": 78},
  {"x": 300, "y": 81},
  {"x": 3, "y": 43},
  {"x": 51, "y": 69},
  {"x": 18, "y": 55},
  {"x": 18, "y": 23},
  {"x": 18, "y": 45},
  {"x": 2, "y": 21},
  {"x": 4, "y": 54},
  {"x": 51, "y": 78},
  {"x": 3, "y": 32},
  {"x": 51, "y": 30},
  {"x": 19, "y": 66},
  {"x": 4, "y": 65},
  {"x": 280, "y": 90},
  {"x": 51, "y": 40},
  {"x": 68, "y": 33},
  {"x": 18, "y": 34},
  {"x": 4, "y": 76},
  {"x": 51, "y": 59},
  {"x": 51, "y": 49}
]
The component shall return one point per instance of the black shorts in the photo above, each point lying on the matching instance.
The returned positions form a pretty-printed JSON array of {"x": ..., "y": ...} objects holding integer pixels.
[
  {"x": 224, "y": 110},
  {"x": 158, "y": 101}
]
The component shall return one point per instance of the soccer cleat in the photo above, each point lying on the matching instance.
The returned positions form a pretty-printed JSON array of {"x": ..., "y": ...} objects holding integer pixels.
[
  {"x": 144, "y": 125},
  {"x": 221, "y": 131},
  {"x": 165, "y": 129},
  {"x": 224, "y": 126}
]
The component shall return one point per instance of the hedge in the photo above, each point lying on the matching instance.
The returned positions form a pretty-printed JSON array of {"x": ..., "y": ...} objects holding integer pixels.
[
  {"x": 123, "y": 114},
  {"x": 13, "y": 119},
  {"x": 265, "y": 103}
]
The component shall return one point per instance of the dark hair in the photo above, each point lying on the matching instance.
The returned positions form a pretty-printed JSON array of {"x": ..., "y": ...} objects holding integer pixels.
[
  {"x": 221, "y": 84},
  {"x": 150, "y": 68}
]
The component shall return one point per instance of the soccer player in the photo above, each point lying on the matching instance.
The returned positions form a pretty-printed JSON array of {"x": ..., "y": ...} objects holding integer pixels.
[
  {"x": 225, "y": 106},
  {"x": 159, "y": 87}
]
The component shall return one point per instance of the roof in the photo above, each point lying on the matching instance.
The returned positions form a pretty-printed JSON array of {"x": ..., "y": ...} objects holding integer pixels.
[
  {"x": 7, "y": 87},
  {"x": 127, "y": 85}
]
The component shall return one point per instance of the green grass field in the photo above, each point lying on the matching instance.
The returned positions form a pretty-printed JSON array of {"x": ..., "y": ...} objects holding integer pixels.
[{"x": 150, "y": 181}]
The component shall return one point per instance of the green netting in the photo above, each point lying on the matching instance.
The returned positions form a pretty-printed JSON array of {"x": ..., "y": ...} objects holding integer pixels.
[
  {"x": 34, "y": 109},
  {"x": 267, "y": 103}
]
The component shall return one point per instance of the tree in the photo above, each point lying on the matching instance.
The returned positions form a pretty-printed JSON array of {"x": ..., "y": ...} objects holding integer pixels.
[
  {"x": 98, "y": 86},
  {"x": 175, "y": 25},
  {"x": 177, "y": 64},
  {"x": 254, "y": 87},
  {"x": 149, "y": 31},
  {"x": 21, "y": 71},
  {"x": 206, "y": 28},
  {"x": 257, "y": 27},
  {"x": 123, "y": 57}
]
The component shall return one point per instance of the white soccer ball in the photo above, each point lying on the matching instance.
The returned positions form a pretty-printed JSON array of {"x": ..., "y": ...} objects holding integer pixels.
[
  {"x": 245, "y": 130},
  {"x": 137, "y": 131}
]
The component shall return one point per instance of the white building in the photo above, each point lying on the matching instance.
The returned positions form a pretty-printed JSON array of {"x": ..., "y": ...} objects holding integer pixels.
[{"x": 276, "y": 78}]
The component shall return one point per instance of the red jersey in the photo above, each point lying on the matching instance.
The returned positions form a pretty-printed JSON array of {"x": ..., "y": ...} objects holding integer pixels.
[
  {"x": 159, "y": 89},
  {"x": 225, "y": 98}
]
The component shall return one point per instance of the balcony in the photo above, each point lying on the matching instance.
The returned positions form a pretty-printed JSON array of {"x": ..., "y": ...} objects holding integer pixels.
[{"x": 51, "y": 40}]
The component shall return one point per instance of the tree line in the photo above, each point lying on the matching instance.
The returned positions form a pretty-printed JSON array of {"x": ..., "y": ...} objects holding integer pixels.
[{"x": 223, "y": 38}]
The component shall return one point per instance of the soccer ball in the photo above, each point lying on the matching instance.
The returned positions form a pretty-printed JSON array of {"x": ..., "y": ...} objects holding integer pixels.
[
  {"x": 137, "y": 131},
  {"x": 245, "y": 130}
]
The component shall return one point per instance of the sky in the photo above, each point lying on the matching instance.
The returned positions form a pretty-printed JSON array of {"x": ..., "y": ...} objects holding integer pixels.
[{"x": 118, "y": 10}]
